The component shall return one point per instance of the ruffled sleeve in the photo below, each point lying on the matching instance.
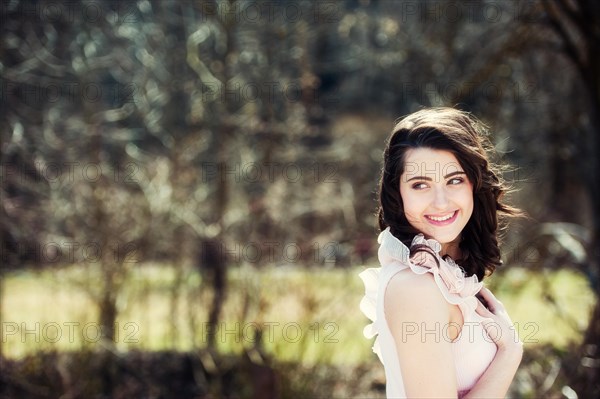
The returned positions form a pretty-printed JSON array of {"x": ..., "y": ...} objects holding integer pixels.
[
  {"x": 457, "y": 288},
  {"x": 368, "y": 304},
  {"x": 423, "y": 257}
]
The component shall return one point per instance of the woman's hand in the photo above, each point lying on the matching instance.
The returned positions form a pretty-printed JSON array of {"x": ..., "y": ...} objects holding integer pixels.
[
  {"x": 495, "y": 381},
  {"x": 498, "y": 324}
]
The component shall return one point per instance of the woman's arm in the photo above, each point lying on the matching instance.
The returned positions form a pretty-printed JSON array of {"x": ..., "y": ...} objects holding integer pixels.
[
  {"x": 496, "y": 380},
  {"x": 417, "y": 313}
]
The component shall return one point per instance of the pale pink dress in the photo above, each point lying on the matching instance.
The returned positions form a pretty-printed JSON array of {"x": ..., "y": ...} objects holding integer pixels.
[{"x": 473, "y": 349}]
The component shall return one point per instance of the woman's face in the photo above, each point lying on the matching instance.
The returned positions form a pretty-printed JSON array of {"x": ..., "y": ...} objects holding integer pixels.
[{"x": 437, "y": 195}]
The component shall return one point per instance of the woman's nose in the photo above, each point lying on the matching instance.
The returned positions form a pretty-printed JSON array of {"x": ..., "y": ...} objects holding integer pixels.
[{"x": 441, "y": 198}]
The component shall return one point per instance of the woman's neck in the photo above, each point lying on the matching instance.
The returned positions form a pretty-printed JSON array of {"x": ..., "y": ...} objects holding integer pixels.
[{"x": 452, "y": 249}]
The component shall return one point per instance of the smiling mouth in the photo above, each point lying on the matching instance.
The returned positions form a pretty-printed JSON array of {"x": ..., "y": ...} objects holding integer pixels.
[{"x": 449, "y": 218}]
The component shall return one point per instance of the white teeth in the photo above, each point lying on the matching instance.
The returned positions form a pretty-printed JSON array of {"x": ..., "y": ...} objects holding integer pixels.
[{"x": 442, "y": 218}]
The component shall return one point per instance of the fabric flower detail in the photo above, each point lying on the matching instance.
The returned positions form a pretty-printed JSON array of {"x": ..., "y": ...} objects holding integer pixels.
[{"x": 426, "y": 253}]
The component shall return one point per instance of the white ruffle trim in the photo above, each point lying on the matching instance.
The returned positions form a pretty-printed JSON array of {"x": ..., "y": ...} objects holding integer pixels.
[{"x": 449, "y": 277}]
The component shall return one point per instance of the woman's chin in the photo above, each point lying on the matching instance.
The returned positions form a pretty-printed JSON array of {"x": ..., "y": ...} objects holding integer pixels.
[{"x": 445, "y": 239}]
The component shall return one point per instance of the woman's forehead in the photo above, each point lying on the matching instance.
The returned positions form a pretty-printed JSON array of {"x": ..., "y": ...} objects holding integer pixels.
[{"x": 428, "y": 162}]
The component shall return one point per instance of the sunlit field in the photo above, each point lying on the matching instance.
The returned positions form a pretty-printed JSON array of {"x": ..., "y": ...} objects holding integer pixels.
[{"x": 309, "y": 316}]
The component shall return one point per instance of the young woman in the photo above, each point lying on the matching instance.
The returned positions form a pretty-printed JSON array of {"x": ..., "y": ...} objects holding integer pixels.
[{"x": 440, "y": 333}]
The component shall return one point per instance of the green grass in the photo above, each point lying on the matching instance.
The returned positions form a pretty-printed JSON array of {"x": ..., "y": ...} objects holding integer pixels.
[
  {"x": 548, "y": 307},
  {"x": 306, "y": 315}
]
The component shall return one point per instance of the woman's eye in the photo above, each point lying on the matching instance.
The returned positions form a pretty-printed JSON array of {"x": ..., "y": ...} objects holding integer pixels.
[
  {"x": 419, "y": 186},
  {"x": 456, "y": 180}
]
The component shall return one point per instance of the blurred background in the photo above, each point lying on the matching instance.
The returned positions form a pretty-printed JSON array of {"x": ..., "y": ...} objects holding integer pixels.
[{"x": 188, "y": 188}]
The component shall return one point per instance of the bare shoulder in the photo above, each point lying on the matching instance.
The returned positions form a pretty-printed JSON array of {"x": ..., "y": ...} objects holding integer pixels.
[
  {"x": 412, "y": 294},
  {"x": 414, "y": 304}
]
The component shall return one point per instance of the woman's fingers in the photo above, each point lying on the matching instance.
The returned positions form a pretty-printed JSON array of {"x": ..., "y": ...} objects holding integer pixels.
[
  {"x": 482, "y": 310},
  {"x": 487, "y": 294},
  {"x": 496, "y": 322},
  {"x": 492, "y": 302}
]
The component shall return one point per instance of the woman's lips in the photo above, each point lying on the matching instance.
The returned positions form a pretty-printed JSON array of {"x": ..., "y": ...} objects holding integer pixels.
[{"x": 442, "y": 220}]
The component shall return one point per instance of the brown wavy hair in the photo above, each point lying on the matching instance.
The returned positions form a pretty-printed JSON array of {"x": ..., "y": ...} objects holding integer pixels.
[{"x": 463, "y": 135}]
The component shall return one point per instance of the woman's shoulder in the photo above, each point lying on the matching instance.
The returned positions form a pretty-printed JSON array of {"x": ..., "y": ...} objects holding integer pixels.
[{"x": 409, "y": 293}]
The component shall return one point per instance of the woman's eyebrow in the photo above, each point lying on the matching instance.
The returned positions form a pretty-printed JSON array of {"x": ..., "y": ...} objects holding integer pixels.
[
  {"x": 427, "y": 178},
  {"x": 458, "y": 172}
]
